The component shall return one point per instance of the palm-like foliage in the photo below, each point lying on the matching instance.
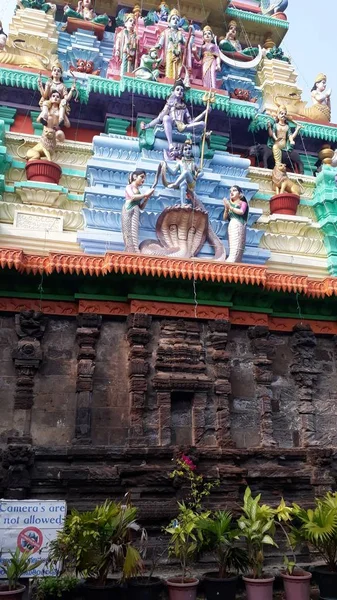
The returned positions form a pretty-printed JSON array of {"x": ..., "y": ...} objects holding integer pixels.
[
  {"x": 96, "y": 542},
  {"x": 17, "y": 565},
  {"x": 319, "y": 528},
  {"x": 257, "y": 527},
  {"x": 186, "y": 536},
  {"x": 219, "y": 537}
]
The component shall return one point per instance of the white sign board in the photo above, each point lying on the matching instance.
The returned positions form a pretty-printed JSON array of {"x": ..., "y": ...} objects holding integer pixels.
[{"x": 30, "y": 525}]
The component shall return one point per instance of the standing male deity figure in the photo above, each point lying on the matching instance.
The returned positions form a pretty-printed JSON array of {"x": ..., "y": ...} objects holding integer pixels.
[
  {"x": 126, "y": 45},
  {"x": 172, "y": 43}
]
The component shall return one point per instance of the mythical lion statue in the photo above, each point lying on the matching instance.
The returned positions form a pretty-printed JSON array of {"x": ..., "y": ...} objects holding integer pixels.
[
  {"x": 281, "y": 182},
  {"x": 46, "y": 146}
]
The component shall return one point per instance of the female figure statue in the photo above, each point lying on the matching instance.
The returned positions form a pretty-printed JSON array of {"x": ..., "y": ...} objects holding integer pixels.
[
  {"x": 231, "y": 44},
  {"x": 236, "y": 211},
  {"x": 85, "y": 11},
  {"x": 209, "y": 55},
  {"x": 321, "y": 98},
  {"x": 55, "y": 84},
  {"x": 280, "y": 136},
  {"x": 149, "y": 66},
  {"x": 126, "y": 45},
  {"x": 175, "y": 116},
  {"x": 172, "y": 43},
  {"x": 134, "y": 202}
]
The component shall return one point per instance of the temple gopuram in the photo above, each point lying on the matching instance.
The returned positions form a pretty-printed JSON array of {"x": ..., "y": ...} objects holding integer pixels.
[{"x": 168, "y": 246}]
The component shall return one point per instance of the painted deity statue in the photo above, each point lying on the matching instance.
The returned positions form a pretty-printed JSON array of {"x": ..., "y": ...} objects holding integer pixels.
[
  {"x": 85, "y": 11},
  {"x": 55, "y": 113},
  {"x": 237, "y": 212},
  {"x": 232, "y": 44},
  {"x": 126, "y": 45},
  {"x": 135, "y": 201},
  {"x": 280, "y": 135},
  {"x": 210, "y": 58},
  {"x": 175, "y": 116},
  {"x": 172, "y": 43},
  {"x": 321, "y": 98},
  {"x": 149, "y": 66},
  {"x": 271, "y": 7},
  {"x": 188, "y": 173},
  {"x": 3, "y": 38}
]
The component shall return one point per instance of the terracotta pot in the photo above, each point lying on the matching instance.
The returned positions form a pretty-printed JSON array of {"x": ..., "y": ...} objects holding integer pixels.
[
  {"x": 327, "y": 582},
  {"x": 215, "y": 587},
  {"x": 280, "y": 15},
  {"x": 44, "y": 171},
  {"x": 284, "y": 204},
  {"x": 259, "y": 589},
  {"x": 297, "y": 587},
  {"x": 182, "y": 591},
  {"x": 11, "y": 594}
]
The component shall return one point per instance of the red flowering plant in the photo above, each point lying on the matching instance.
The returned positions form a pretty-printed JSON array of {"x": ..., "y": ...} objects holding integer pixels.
[{"x": 199, "y": 489}]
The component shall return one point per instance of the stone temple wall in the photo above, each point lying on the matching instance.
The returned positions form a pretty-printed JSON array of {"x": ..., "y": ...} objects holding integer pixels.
[{"x": 92, "y": 408}]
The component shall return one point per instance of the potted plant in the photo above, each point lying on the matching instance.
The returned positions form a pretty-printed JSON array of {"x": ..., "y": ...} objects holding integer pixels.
[
  {"x": 257, "y": 528},
  {"x": 219, "y": 536},
  {"x": 186, "y": 540},
  {"x": 147, "y": 587},
  {"x": 296, "y": 582},
  {"x": 97, "y": 543},
  {"x": 318, "y": 527},
  {"x": 52, "y": 588},
  {"x": 14, "y": 568}
]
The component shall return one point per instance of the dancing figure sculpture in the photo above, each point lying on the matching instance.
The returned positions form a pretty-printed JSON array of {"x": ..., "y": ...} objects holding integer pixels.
[{"x": 280, "y": 135}]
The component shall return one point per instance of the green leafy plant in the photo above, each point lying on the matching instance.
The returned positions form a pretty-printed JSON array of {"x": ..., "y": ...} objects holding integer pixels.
[
  {"x": 185, "y": 471},
  {"x": 53, "y": 587},
  {"x": 99, "y": 541},
  {"x": 318, "y": 527},
  {"x": 283, "y": 518},
  {"x": 17, "y": 565},
  {"x": 219, "y": 536},
  {"x": 257, "y": 527},
  {"x": 186, "y": 536}
]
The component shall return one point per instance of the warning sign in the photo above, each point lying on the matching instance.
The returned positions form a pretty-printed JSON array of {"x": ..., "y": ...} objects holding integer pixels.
[
  {"x": 30, "y": 525},
  {"x": 30, "y": 540}
]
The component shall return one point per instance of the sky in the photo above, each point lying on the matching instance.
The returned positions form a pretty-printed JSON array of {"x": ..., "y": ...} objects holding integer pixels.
[{"x": 310, "y": 41}]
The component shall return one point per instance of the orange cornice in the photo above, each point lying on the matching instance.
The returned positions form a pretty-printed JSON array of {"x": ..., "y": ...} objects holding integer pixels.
[{"x": 120, "y": 262}]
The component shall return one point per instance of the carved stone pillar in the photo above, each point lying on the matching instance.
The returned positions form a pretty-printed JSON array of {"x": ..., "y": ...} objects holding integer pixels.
[
  {"x": 18, "y": 459},
  {"x": 27, "y": 356},
  {"x": 138, "y": 335},
  {"x": 263, "y": 352},
  {"x": 181, "y": 380},
  {"x": 218, "y": 360},
  {"x": 305, "y": 373},
  {"x": 87, "y": 335}
]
